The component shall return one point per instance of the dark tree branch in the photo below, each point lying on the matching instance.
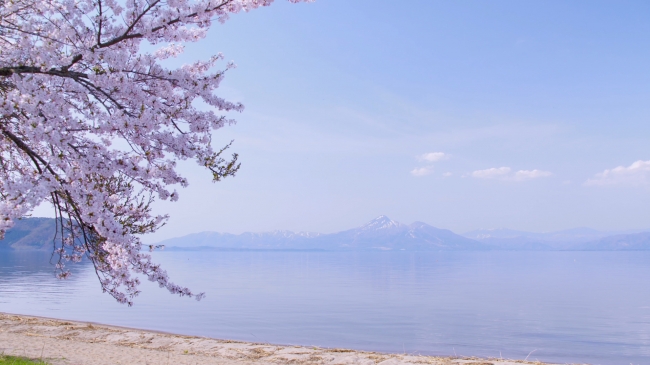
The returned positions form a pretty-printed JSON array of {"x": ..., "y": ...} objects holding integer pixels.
[
  {"x": 62, "y": 72},
  {"x": 126, "y": 34}
]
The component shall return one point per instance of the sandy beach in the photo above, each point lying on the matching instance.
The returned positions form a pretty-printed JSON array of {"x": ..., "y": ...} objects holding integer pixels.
[{"x": 63, "y": 342}]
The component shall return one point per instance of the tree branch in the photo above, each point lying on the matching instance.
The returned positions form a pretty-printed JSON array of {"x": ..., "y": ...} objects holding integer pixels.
[
  {"x": 126, "y": 34},
  {"x": 62, "y": 72}
]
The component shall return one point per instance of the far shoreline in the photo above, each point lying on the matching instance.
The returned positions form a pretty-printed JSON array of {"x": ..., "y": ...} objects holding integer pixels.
[{"x": 67, "y": 342}]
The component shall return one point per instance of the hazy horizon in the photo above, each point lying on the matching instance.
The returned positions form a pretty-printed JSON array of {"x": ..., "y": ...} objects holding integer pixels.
[{"x": 613, "y": 232}]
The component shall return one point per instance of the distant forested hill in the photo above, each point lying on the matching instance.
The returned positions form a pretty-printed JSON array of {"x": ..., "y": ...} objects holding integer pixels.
[{"x": 30, "y": 234}]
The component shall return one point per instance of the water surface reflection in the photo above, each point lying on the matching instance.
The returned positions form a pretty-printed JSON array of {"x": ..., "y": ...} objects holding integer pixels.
[{"x": 569, "y": 306}]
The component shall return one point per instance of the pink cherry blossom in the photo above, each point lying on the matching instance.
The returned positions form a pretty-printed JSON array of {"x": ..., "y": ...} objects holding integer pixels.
[{"x": 94, "y": 125}]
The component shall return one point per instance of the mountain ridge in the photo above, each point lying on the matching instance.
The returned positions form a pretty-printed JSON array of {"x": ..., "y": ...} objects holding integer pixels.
[{"x": 381, "y": 233}]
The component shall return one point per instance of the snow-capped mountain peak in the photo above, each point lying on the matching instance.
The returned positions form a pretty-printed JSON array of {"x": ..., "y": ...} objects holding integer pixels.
[{"x": 381, "y": 222}]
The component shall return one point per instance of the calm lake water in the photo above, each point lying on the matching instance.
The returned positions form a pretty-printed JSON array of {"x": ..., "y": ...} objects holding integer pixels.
[{"x": 586, "y": 307}]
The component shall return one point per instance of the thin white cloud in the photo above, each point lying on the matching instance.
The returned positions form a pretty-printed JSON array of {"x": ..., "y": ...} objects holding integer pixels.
[
  {"x": 636, "y": 174},
  {"x": 492, "y": 173},
  {"x": 446, "y": 174},
  {"x": 422, "y": 171},
  {"x": 434, "y": 156},
  {"x": 523, "y": 175},
  {"x": 429, "y": 157},
  {"x": 504, "y": 173}
]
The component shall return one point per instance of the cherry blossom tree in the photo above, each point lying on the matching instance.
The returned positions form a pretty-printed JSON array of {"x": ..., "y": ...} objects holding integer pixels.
[{"x": 94, "y": 124}]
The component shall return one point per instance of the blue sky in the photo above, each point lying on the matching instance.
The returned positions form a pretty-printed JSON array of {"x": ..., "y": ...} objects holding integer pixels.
[{"x": 347, "y": 102}]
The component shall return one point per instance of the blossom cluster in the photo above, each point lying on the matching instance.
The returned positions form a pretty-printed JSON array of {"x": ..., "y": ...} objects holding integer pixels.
[{"x": 94, "y": 124}]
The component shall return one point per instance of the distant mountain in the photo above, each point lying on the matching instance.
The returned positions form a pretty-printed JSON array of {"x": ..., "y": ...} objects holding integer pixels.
[
  {"x": 381, "y": 233},
  {"x": 621, "y": 242},
  {"x": 506, "y": 239},
  {"x": 570, "y": 239},
  {"x": 260, "y": 241},
  {"x": 30, "y": 234}
]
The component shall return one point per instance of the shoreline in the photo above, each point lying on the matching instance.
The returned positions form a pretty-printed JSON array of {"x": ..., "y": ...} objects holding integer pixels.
[{"x": 63, "y": 342}]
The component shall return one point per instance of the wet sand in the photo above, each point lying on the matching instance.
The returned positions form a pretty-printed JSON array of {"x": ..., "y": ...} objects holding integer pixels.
[{"x": 61, "y": 342}]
